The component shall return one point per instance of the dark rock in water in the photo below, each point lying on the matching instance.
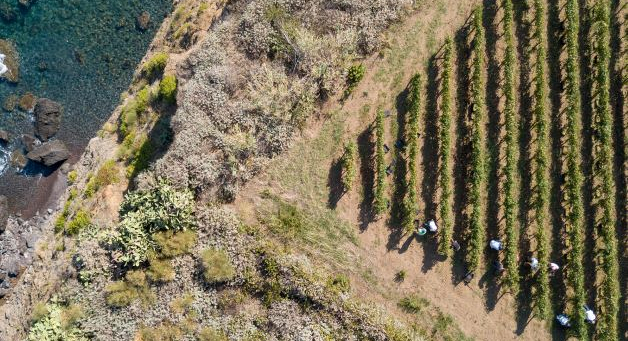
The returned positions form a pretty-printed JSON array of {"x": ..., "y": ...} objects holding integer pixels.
[
  {"x": 4, "y": 212},
  {"x": 4, "y": 136},
  {"x": 8, "y": 13},
  {"x": 29, "y": 142},
  {"x": 143, "y": 21},
  {"x": 49, "y": 153},
  {"x": 18, "y": 159},
  {"x": 47, "y": 118}
]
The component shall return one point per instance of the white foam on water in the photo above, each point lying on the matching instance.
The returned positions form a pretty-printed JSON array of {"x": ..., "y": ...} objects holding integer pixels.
[
  {"x": 4, "y": 160},
  {"x": 3, "y": 68}
]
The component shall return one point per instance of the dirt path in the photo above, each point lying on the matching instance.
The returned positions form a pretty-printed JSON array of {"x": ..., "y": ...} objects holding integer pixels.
[{"x": 302, "y": 176}]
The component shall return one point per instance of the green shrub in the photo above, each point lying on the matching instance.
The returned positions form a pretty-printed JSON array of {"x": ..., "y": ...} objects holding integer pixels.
[
  {"x": 181, "y": 304},
  {"x": 142, "y": 99},
  {"x": 80, "y": 221},
  {"x": 107, "y": 174},
  {"x": 216, "y": 266},
  {"x": 339, "y": 283},
  {"x": 166, "y": 331},
  {"x": 123, "y": 293},
  {"x": 160, "y": 270},
  {"x": 161, "y": 208},
  {"x": 400, "y": 276},
  {"x": 172, "y": 244},
  {"x": 168, "y": 89},
  {"x": 211, "y": 334},
  {"x": 413, "y": 304},
  {"x": 72, "y": 175},
  {"x": 143, "y": 213},
  {"x": 155, "y": 65},
  {"x": 56, "y": 323},
  {"x": 70, "y": 315},
  {"x": 355, "y": 73},
  {"x": 39, "y": 312}
]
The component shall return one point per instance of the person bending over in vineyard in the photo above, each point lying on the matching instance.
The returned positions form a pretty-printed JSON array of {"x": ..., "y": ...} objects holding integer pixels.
[
  {"x": 589, "y": 315},
  {"x": 563, "y": 320},
  {"x": 496, "y": 244},
  {"x": 498, "y": 267},
  {"x": 468, "y": 277},
  {"x": 553, "y": 268},
  {"x": 533, "y": 263},
  {"x": 431, "y": 226}
]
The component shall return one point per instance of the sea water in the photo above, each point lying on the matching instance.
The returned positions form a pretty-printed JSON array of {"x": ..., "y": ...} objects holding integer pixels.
[{"x": 80, "y": 53}]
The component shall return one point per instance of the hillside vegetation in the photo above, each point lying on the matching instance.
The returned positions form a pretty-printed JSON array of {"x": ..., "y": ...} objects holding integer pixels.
[{"x": 267, "y": 172}]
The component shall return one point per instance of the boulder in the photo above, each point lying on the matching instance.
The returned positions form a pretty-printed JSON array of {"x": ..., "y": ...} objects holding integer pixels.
[
  {"x": 18, "y": 160},
  {"x": 4, "y": 136},
  {"x": 49, "y": 153},
  {"x": 47, "y": 118},
  {"x": 29, "y": 142},
  {"x": 27, "y": 102},
  {"x": 4, "y": 212},
  {"x": 143, "y": 21}
]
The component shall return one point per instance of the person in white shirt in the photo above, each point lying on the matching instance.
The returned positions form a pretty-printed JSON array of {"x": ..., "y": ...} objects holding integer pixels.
[
  {"x": 533, "y": 263},
  {"x": 431, "y": 226},
  {"x": 563, "y": 320},
  {"x": 553, "y": 267},
  {"x": 496, "y": 244},
  {"x": 589, "y": 315}
]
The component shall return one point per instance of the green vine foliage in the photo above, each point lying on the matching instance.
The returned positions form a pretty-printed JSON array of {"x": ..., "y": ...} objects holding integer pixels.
[
  {"x": 541, "y": 163},
  {"x": 478, "y": 182},
  {"x": 446, "y": 234},
  {"x": 512, "y": 139},
  {"x": 605, "y": 191},
  {"x": 574, "y": 178},
  {"x": 380, "y": 203},
  {"x": 411, "y": 199}
]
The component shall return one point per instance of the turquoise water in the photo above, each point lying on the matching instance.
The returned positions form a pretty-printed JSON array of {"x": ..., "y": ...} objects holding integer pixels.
[{"x": 90, "y": 49}]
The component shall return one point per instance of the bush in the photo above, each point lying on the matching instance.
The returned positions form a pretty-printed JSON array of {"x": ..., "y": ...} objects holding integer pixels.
[
  {"x": 56, "y": 323},
  {"x": 216, "y": 266},
  {"x": 107, "y": 174},
  {"x": 143, "y": 213},
  {"x": 80, "y": 221},
  {"x": 160, "y": 270},
  {"x": 155, "y": 65},
  {"x": 39, "y": 312},
  {"x": 123, "y": 293},
  {"x": 413, "y": 304},
  {"x": 211, "y": 334},
  {"x": 182, "y": 304},
  {"x": 166, "y": 331},
  {"x": 172, "y": 244},
  {"x": 355, "y": 73},
  {"x": 168, "y": 89},
  {"x": 161, "y": 208},
  {"x": 339, "y": 283},
  {"x": 72, "y": 175}
]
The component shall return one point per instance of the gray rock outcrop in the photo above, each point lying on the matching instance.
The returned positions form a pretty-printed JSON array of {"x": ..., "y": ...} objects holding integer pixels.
[
  {"x": 47, "y": 118},
  {"x": 49, "y": 153},
  {"x": 4, "y": 212}
]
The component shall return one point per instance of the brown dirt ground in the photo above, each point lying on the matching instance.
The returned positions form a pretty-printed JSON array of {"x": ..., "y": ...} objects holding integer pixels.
[{"x": 381, "y": 252}]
